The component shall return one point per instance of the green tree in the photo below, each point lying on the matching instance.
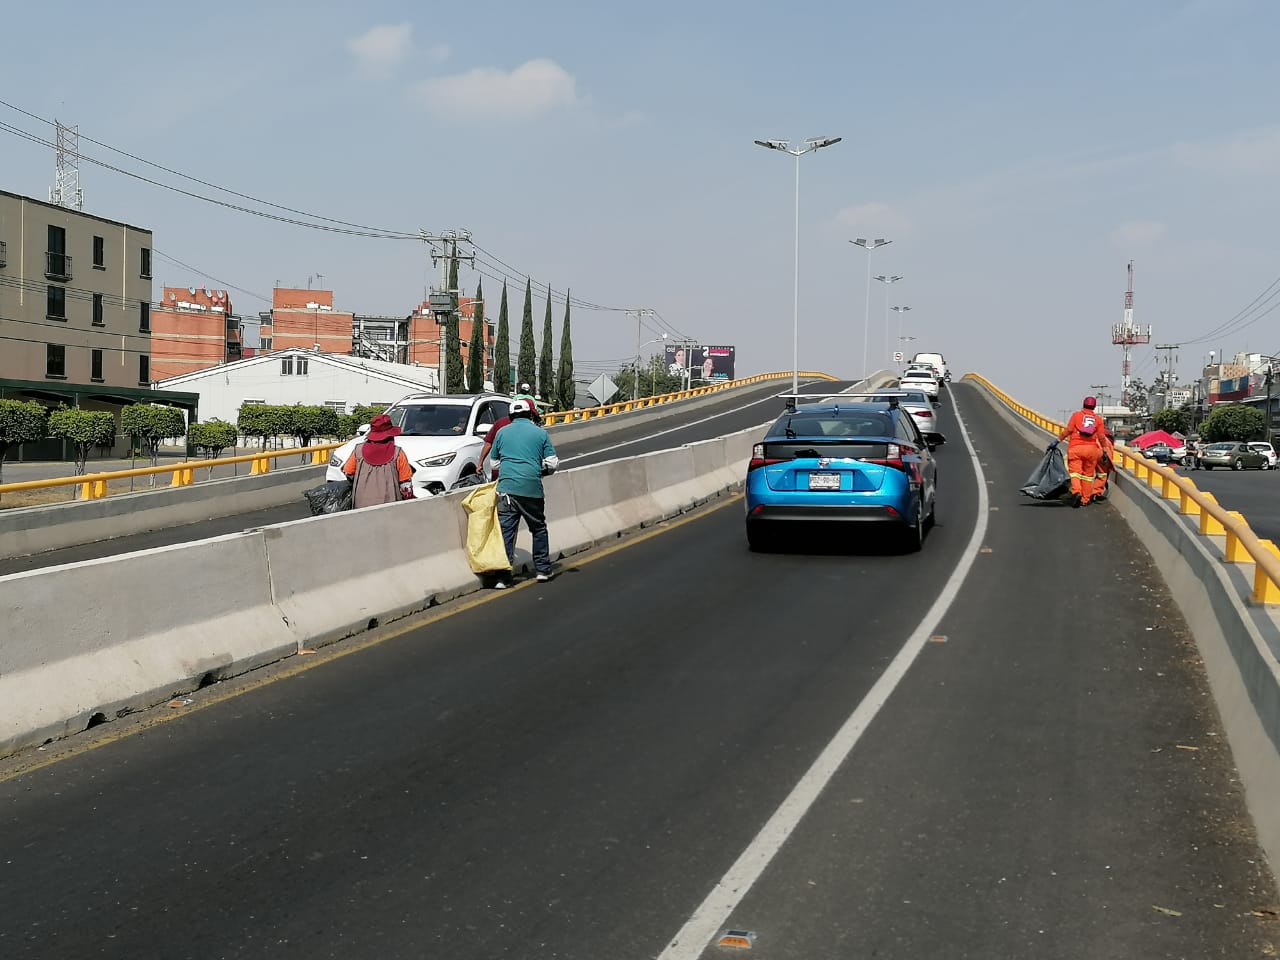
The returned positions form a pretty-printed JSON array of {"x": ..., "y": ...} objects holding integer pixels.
[
  {"x": 475, "y": 352},
  {"x": 1172, "y": 419},
  {"x": 527, "y": 362},
  {"x": 502, "y": 348},
  {"x": 21, "y": 421},
  {"x": 565, "y": 394},
  {"x": 83, "y": 429},
  {"x": 308, "y": 422},
  {"x": 347, "y": 424},
  {"x": 546, "y": 362},
  {"x": 365, "y": 412},
  {"x": 1233, "y": 422},
  {"x": 150, "y": 424},
  {"x": 211, "y": 438},
  {"x": 263, "y": 420},
  {"x": 453, "y": 371}
]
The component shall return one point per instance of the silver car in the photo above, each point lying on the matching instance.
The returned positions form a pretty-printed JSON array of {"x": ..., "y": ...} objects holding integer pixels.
[
  {"x": 915, "y": 402},
  {"x": 1233, "y": 454}
]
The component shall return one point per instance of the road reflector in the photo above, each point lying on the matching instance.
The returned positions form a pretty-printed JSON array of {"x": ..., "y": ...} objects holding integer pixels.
[
  {"x": 939, "y": 638},
  {"x": 985, "y": 550},
  {"x": 740, "y": 939}
]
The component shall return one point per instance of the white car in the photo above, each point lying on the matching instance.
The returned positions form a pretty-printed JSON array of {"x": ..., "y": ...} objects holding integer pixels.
[
  {"x": 442, "y": 436},
  {"x": 1267, "y": 450},
  {"x": 920, "y": 380},
  {"x": 935, "y": 360},
  {"x": 915, "y": 402}
]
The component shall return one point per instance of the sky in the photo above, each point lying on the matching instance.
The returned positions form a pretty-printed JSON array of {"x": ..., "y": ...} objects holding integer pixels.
[{"x": 1017, "y": 154}]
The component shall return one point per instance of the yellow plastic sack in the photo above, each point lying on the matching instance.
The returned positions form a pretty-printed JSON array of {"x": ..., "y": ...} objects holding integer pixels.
[{"x": 485, "y": 550}]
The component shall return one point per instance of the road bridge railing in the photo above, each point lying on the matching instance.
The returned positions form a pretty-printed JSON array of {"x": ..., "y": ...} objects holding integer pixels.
[{"x": 1204, "y": 554}]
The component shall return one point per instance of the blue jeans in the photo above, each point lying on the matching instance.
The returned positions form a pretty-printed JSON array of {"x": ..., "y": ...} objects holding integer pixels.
[{"x": 533, "y": 509}]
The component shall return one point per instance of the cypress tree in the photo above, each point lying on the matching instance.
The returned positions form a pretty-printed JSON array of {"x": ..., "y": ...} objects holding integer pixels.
[
  {"x": 502, "y": 348},
  {"x": 565, "y": 394},
  {"x": 475, "y": 351},
  {"x": 452, "y": 342},
  {"x": 527, "y": 362},
  {"x": 546, "y": 368}
]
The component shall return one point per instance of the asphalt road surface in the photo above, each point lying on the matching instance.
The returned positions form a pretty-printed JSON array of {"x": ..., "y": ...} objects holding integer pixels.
[
  {"x": 1254, "y": 493},
  {"x": 734, "y": 410},
  {"x": 846, "y": 751}
]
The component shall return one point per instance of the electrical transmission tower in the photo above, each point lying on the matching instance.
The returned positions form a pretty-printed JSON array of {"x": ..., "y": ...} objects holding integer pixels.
[
  {"x": 1127, "y": 335},
  {"x": 66, "y": 191}
]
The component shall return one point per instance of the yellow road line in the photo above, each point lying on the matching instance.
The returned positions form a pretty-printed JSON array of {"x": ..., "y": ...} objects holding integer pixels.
[{"x": 342, "y": 648}]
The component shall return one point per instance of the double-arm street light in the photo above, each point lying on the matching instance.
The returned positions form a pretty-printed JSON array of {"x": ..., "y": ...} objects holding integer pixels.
[
  {"x": 886, "y": 280},
  {"x": 869, "y": 246},
  {"x": 811, "y": 144},
  {"x": 900, "y": 311}
]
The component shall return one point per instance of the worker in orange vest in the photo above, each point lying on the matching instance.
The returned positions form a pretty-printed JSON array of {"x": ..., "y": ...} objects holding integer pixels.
[{"x": 1087, "y": 440}]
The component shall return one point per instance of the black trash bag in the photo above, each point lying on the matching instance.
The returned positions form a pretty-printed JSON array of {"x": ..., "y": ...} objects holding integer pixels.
[
  {"x": 331, "y": 497},
  {"x": 472, "y": 480},
  {"x": 1049, "y": 479}
]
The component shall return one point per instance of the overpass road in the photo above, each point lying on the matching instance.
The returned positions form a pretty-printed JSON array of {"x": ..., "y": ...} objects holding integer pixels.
[
  {"x": 1001, "y": 747},
  {"x": 728, "y": 412},
  {"x": 1251, "y": 492}
]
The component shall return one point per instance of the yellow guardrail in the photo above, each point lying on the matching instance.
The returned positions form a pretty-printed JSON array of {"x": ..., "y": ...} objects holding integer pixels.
[
  {"x": 590, "y": 413},
  {"x": 1241, "y": 544},
  {"x": 93, "y": 486}
]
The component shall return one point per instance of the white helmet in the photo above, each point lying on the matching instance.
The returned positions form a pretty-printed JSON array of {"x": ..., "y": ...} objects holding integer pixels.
[{"x": 521, "y": 407}]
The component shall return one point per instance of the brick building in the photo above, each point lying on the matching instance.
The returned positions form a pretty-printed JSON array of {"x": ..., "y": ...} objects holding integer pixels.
[
  {"x": 193, "y": 328},
  {"x": 306, "y": 320},
  {"x": 425, "y": 335}
]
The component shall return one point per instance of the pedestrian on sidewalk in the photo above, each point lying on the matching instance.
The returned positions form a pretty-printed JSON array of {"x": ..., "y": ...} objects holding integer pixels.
[
  {"x": 524, "y": 455},
  {"x": 1087, "y": 440},
  {"x": 379, "y": 471}
]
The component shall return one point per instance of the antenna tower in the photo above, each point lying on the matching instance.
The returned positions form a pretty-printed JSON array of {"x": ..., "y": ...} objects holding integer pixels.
[
  {"x": 66, "y": 191},
  {"x": 1126, "y": 335}
]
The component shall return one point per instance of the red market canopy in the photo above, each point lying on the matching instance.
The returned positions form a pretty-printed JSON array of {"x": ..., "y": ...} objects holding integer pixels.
[{"x": 1156, "y": 436}]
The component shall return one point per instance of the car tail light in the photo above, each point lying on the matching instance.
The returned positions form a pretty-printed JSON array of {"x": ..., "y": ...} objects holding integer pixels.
[
  {"x": 758, "y": 459},
  {"x": 924, "y": 413},
  {"x": 893, "y": 457}
]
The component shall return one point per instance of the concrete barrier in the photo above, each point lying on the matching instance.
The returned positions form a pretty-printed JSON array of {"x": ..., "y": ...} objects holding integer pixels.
[
  {"x": 29, "y": 530},
  {"x": 1239, "y": 642},
  {"x": 99, "y": 639}
]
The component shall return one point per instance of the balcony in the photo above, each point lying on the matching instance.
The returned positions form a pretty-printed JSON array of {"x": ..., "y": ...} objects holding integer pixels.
[{"x": 57, "y": 266}]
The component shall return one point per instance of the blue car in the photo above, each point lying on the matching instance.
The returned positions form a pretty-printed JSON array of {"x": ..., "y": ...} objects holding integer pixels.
[{"x": 842, "y": 464}]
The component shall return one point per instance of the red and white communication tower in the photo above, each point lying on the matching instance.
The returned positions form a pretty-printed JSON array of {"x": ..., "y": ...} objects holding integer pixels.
[{"x": 1126, "y": 335}]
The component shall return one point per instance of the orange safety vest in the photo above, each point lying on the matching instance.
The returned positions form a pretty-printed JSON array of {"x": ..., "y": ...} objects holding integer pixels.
[{"x": 1078, "y": 425}]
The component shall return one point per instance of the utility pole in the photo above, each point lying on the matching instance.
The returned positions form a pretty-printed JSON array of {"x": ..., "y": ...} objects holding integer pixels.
[
  {"x": 443, "y": 302},
  {"x": 1170, "y": 359},
  {"x": 639, "y": 314},
  {"x": 1097, "y": 389}
]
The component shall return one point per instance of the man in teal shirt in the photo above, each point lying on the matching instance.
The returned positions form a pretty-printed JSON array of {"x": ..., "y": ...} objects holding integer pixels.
[{"x": 524, "y": 455}]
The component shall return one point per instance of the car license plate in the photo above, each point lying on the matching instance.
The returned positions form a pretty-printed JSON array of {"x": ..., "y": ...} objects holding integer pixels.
[{"x": 824, "y": 481}]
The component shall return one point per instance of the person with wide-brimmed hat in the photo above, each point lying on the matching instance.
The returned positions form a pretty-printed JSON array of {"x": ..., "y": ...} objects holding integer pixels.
[{"x": 379, "y": 471}]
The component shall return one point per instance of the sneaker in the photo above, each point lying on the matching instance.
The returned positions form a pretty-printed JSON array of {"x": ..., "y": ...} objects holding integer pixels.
[
  {"x": 1076, "y": 501},
  {"x": 501, "y": 584},
  {"x": 544, "y": 577}
]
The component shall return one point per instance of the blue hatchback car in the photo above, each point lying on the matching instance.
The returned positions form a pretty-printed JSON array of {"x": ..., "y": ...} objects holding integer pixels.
[{"x": 842, "y": 463}]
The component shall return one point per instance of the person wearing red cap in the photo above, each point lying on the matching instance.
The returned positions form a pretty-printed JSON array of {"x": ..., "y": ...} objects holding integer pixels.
[
  {"x": 1088, "y": 441},
  {"x": 379, "y": 471}
]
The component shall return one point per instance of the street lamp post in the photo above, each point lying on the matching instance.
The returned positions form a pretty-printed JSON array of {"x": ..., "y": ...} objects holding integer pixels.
[
  {"x": 886, "y": 280},
  {"x": 812, "y": 143},
  {"x": 900, "y": 311},
  {"x": 869, "y": 246},
  {"x": 653, "y": 372}
]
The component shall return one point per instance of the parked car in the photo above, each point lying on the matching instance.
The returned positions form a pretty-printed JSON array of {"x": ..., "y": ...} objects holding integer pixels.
[
  {"x": 1267, "y": 450},
  {"x": 1233, "y": 454},
  {"x": 842, "y": 466},
  {"x": 442, "y": 435},
  {"x": 1160, "y": 453},
  {"x": 920, "y": 380},
  {"x": 915, "y": 402}
]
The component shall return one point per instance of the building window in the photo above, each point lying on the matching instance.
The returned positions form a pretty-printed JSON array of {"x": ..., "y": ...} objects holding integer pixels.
[
  {"x": 97, "y": 311},
  {"x": 338, "y": 405},
  {"x": 57, "y": 263},
  {"x": 286, "y": 366},
  {"x": 56, "y": 303},
  {"x": 146, "y": 263},
  {"x": 99, "y": 253},
  {"x": 95, "y": 366},
  {"x": 265, "y": 345},
  {"x": 144, "y": 369},
  {"x": 302, "y": 366},
  {"x": 55, "y": 361},
  {"x": 144, "y": 316}
]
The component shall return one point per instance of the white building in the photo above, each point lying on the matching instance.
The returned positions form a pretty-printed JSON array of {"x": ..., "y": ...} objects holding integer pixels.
[{"x": 289, "y": 377}]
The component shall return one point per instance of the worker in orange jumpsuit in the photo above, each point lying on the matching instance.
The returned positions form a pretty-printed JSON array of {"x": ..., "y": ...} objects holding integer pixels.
[{"x": 1087, "y": 440}]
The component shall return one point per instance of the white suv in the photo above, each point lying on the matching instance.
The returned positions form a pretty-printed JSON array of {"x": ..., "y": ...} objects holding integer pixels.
[
  {"x": 935, "y": 360},
  {"x": 442, "y": 436}
]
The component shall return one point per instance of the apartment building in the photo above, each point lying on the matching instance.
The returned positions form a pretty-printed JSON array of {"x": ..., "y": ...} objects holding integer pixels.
[
  {"x": 306, "y": 320},
  {"x": 193, "y": 328},
  {"x": 426, "y": 335},
  {"x": 75, "y": 309}
]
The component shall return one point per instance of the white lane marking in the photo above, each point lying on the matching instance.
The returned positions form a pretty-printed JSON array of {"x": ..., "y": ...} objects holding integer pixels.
[
  {"x": 683, "y": 426},
  {"x": 695, "y": 936}
]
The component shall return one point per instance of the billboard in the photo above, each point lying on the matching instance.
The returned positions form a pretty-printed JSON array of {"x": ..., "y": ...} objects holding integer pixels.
[{"x": 709, "y": 363}]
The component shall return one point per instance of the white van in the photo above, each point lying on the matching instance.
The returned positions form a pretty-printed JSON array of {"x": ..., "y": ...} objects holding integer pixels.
[{"x": 935, "y": 360}]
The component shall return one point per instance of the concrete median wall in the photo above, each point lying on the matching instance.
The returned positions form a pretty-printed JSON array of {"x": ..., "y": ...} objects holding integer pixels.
[
  {"x": 29, "y": 530},
  {"x": 1239, "y": 641},
  {"x": 95, "y": 640}
]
